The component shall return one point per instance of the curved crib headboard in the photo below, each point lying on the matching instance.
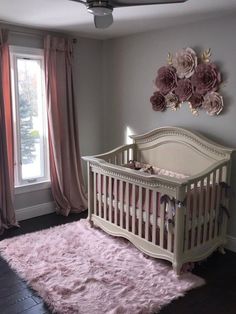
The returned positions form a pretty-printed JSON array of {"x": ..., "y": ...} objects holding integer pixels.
[{"x": 179, "y": 150}]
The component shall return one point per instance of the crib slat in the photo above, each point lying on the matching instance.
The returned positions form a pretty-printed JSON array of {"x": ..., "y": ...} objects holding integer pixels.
[
  {"x": 224, "y": 201},
  {"x": 122, "y": 158},
  {"x": 99, "y": 195},
  {"x": 110, "y": 199},
  {"x": 105, "y": 197},
  {"x": 127, "y": 154},
  {"x": 138, "y": 155},
  {"x": 121, "y": 204},
  {"x": 169, "y": 236},
  {"x": 131, "y": 155},
  {"x": 162, "y": 224},
  {"x": 154, "y": 216},
  {"x": 140, "y": 211},
  {"x": 207, "y": 202},
  {"x": 212, "y": 206},
  {"x": 95, "y": 192},
  {"x": 193, "y": 227},
  {"x": 116, "y": 200},
  {"x": 200, "y": 213},
  {"x": 89, "y": 176},
  {"x": 127, "y": 204},
  {"x": 188, "y": 208},
  {"x": 133, "y": 208},
  {"x": 147, "y": 198},
  {"x": 218, "y": 191}
]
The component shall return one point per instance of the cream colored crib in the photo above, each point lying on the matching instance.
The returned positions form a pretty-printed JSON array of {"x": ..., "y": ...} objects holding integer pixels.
[{"x": 180, "y": 220}]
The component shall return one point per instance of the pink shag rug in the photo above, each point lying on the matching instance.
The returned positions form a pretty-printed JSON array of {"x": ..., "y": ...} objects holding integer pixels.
[{"x": 79, "y": 269}]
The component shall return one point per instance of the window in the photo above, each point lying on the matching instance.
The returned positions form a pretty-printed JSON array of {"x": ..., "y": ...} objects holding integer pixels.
[{"x": 29, "y": 116}]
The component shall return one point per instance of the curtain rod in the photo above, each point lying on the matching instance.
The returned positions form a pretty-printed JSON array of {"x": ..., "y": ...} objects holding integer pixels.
[
  {"x": 34, "y": 33},
  {"x": 25, "y": 33}
]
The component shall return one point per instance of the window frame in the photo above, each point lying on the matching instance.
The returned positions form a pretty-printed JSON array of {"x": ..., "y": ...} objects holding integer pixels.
[{"x": 17, "y": 52}]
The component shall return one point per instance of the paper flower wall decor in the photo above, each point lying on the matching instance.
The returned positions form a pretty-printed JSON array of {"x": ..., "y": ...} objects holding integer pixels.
[{"x": 188, "y": 78}]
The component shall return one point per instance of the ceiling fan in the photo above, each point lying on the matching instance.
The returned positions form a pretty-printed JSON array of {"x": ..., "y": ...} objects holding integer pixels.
[{"x": 102, "y": 9}]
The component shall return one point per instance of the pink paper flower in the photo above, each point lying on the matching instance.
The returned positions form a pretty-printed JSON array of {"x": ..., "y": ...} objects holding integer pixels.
[
  {"x": 185, "y": 62},
  {"x": 213, "y": 103},
  {"x": 158, "y": 101},
  {"x": 206, "y": 78},
  {"x": 184, "y": 89},
  {"x": 196, "y": 101},
  {"x": 166, "y": 79}
]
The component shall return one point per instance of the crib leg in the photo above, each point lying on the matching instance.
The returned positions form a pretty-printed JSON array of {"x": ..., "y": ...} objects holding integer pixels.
[
  {"x": 91, "y": 223},
  {"x": 221, "y": 249},
  {"x": 177, "y": 268}
]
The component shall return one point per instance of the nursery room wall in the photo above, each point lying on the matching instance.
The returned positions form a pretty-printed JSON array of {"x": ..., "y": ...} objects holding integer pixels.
[
  {"x": 129, "y": 70},
  {"x": 87, "y": 69}
]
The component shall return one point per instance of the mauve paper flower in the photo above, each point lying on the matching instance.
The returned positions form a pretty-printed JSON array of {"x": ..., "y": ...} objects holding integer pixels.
[
  {"x": 172, "y": 101},
  {"x": 185, "y": 62},
  {"x": 158, "y": 102},
  {"x": 206, "y": 78},
  {"x": 166, "y": 79},
  {"x": 213, "y": 103},
  {"x": 196, "y": 101},
  {"x": 184, "y": 89}
]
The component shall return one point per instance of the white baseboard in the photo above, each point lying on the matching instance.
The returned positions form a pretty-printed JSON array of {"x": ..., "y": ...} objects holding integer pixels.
[
  {"x": 231, "y": 243},
  {"x": 35, "y": 211}
]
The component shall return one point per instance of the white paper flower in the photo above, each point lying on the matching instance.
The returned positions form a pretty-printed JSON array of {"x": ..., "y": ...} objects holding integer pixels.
[
  {"x": 185, "y": 62},
  {"x": 213, "y": 103}
]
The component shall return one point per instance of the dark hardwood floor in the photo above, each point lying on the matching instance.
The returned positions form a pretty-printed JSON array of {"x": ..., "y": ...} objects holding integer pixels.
[{"x": 218, "y": 296}]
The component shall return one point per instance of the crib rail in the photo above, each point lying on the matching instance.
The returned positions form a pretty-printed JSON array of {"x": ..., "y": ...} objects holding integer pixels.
[{"x": 118, "y": 156}]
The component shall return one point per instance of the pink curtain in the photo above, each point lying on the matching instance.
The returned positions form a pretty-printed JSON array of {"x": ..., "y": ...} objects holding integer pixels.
[
  {"x": 65, "y": 164},
  {"x": 7, "y": 213}
]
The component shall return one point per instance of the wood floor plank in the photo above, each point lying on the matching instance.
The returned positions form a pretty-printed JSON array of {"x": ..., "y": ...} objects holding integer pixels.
[
  {"x": 9, "y": 289},
  {"x": 37, "y": 309},
  {"x": 16, "y": 297},
  {"x": 19, "y": 307},
  {"x": 37, "y": 299}
]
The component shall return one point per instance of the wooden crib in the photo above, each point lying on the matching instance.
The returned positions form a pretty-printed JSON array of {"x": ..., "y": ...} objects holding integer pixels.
[{"x": 178, "y": 219}]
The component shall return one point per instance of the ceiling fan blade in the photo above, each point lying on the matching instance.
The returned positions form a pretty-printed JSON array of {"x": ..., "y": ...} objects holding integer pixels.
[
  {"x": 103, "y": 21},
  {"x": 129, "y": 3},
  {"x": 80, "y": 1}
]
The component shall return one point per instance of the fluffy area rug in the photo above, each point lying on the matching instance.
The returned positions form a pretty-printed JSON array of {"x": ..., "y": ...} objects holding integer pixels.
[{"x": 79, "y": 269}]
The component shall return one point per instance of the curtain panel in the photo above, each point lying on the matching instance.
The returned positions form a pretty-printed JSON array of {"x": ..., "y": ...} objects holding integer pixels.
[
  {"x": 7, "y": 213},
  {"x": 65, "y": 163}
]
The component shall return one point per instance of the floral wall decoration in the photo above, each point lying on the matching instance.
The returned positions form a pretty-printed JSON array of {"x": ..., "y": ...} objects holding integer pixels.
[{"x": 188, "y": 78}]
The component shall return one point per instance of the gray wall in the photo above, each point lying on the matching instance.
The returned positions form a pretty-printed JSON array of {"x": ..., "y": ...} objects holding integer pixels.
[
  {"x": 88, "y": 87},
  {"x": 129, "y": 69},
  {"x": 87, "y": 70}
]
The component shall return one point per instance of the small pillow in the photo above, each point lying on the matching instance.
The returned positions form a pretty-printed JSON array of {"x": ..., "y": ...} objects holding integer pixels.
[
  {"x": 148, "y": 169},
  {"x": 132, "y": 164}
]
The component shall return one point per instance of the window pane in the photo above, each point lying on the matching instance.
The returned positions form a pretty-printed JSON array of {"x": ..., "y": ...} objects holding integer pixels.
[{"x": 30, "y": 111}]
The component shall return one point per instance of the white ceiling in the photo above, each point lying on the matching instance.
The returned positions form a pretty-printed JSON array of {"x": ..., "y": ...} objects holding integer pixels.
[{"x": 68, "y": 16}]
